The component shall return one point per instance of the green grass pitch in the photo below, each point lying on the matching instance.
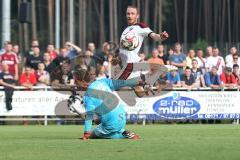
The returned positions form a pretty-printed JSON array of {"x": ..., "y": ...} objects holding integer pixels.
[{"x": 158, "y": 142}]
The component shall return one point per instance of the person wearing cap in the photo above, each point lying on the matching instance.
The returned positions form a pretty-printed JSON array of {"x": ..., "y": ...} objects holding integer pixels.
[
  {"x": 228, "y": 78},
  {"x": 212, "y": 79},
  {"x": 173, "y": 77}
]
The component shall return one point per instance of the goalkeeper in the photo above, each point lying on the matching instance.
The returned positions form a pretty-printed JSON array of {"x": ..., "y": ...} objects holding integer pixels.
[{"x": 100, "y": 100}]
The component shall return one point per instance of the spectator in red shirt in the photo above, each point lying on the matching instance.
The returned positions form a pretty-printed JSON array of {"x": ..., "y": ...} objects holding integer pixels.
[
  {"x": 28, "y": 78},
  {"x": 10, "y": 58},
  {"x": 236, "y": 73},
  {"x": 228, "y": 78}
]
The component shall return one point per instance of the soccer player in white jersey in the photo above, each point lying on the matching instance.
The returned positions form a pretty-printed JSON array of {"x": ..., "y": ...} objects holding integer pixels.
[{"x": 131, "y": 41}]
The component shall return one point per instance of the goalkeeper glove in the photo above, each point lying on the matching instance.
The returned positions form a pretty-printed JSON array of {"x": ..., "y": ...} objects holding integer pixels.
[{"x": 86, "y": 135}]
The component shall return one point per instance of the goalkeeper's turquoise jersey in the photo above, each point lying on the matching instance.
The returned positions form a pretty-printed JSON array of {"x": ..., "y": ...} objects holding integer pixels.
[{"x": 102, "y": 101}]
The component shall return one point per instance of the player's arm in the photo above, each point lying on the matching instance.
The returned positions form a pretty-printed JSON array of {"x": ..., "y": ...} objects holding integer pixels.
[
  {"x": 159, "y": 37},
  {"x": 89, "y": 106},
  {"x": 87, "y": 125}
]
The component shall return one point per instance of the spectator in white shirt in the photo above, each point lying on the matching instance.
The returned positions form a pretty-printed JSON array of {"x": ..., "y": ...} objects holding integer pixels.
[
  {"x": 236, "y": 60},
  {"x": 216, "y": 60},
  {"x": 229, "y": 57},
  {"x": 209, "y": 51}
]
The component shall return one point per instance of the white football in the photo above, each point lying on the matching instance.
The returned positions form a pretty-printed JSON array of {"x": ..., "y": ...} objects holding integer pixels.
[
  {"x": 76, "y": 105},
  {"x": 129, "y": 41}
]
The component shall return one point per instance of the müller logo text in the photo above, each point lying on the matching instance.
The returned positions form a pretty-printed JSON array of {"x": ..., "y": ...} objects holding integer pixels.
[{"x": 176, "y": 107}]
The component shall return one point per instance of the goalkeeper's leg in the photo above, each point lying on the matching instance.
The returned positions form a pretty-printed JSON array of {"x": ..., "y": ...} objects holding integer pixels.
[{"x": 101, "y": 133}]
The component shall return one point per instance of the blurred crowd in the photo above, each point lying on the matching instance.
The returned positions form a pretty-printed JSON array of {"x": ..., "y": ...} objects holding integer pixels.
[{"x": 204, "y": 67}]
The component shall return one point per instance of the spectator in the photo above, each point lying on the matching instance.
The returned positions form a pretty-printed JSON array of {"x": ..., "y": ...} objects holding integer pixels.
[
  {"x": 17, "y": 52},
  {"x": 161, "y": 54},
  {"x": 216, "y": 60},
  {"x": 201, "y": 60},
  {"x": 34, "y": 59},
  {"x": 2, "y": 50},
  {"x": 102, "y": 56},
  {"x": 236, "y": 60},
  {"x": 236, "y": 73},
  {"x": 173, "y": 77},
  {"x": 59, "y": 60},
  {"x": 190, "y": 57},
  {"x": 170, "y": 51},
  {"x": 47, "y": 63},
  {"x": 80, "y": 61},
  {"x": 52, "y": 52},
  {"x": 229, "y": 58},
  {"x": 197, "y": 74},
  {"x": 187, "y": 79},
  {"x": 34, "y": 43},
  {"x": 42, "y": 76},
  {"x": 7, "y": 80},
  {"x": 94, "y": 72},
  {"x": 178, "y": 58},
  {"x": 228, "y": 78},
  {"x": 212, "y": 79},
  {"x": 91, "y": 48},
  {"x": 143, "y": 57},
  {"x": 62, "y": 77},
  {"x": 209, "y": 51},
  {"x": 11, "y": 60},
  {"x": 72, "y": 50},
  {"x": 89, "y": 61},
  {"x": 28, "y": 78},
  {"x": 154, "y": 59},
  {"x": 107, "y": 65}
]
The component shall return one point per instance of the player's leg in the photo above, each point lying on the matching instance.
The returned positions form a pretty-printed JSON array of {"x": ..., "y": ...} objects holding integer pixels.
[{"x": 100, "y": 133}]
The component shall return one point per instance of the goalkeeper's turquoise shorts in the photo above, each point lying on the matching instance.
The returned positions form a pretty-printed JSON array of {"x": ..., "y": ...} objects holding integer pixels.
[{"x": 101, "y": 132}]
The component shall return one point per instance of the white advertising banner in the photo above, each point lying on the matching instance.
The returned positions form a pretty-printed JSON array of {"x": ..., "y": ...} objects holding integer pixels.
[{"x": 172, "y": 105}]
